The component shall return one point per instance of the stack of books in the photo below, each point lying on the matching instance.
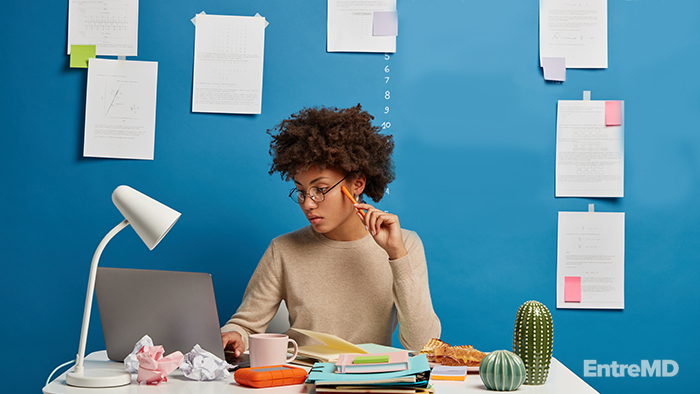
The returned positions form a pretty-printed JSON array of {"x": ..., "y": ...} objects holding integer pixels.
[{"x": 393, "y": 372}]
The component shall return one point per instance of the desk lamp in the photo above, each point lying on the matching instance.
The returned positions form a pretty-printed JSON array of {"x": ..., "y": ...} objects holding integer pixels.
[{"x": 151, "y": 220}]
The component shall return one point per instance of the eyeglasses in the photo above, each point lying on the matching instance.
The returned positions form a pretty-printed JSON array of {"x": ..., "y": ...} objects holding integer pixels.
[{"x": 316, "y": 194}]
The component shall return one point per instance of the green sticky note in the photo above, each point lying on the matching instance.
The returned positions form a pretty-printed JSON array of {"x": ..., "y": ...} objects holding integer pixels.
[
  {"x": 370, "y": 359},
  {"x": 79, "y": 55}
]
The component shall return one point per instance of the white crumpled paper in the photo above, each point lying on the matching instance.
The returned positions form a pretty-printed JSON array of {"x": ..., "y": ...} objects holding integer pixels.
[
  {"x": 131, "y": 362},
  {"x": 200, "y": 364}
]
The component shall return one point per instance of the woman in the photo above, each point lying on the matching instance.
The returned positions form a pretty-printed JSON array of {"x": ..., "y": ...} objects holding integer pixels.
[{"x": 352, "y": 276}]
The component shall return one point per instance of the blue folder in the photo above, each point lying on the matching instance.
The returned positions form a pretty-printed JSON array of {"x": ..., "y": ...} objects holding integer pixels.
[{"x": 324, "y": 373}]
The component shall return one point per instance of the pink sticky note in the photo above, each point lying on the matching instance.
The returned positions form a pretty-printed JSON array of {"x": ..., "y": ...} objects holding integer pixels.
[
  {"x": 572, "y": 289},
  {"x": 385, "y": 23},
  {"x": 613, "y": 113},
  {"x": 554, "y": 68}
]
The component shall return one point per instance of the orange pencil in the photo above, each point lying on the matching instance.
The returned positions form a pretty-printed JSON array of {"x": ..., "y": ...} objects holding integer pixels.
[{"x": 348, "y": 195}]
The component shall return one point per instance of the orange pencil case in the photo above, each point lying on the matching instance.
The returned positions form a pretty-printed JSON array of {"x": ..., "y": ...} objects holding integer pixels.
[{"x": 270, "y": 376}]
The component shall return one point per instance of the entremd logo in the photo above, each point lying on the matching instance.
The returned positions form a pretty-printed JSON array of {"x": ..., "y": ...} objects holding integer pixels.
[{"x": 663, "y": 368}]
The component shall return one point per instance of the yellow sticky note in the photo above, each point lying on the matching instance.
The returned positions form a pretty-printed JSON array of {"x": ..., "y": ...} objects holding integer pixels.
[{"x": 79, "y": 55}]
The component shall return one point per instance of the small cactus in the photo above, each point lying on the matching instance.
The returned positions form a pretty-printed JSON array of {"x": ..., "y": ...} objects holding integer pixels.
[
  {"x": 502, "y": 370},
  {"x": 532, "y": 340}
]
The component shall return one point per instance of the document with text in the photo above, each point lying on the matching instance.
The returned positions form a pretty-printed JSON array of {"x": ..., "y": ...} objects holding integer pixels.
[
  {"x": 591, "y": 260},
  {"x": 228, "y": 64},
  {"x": 111, "y": 25},
  {"x": 120, "y": 110},
  {"x": 589, "y": 153},
  {"x": 350, "y": 26},
  {"x": 576, "y": 31}
]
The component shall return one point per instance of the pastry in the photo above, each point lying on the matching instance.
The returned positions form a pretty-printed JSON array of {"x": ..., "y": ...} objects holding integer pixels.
[{"x": 430, "y": 348}]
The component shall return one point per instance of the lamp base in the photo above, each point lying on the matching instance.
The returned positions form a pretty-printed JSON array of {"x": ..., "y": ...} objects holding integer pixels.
[{"x": 99, "y": 378}]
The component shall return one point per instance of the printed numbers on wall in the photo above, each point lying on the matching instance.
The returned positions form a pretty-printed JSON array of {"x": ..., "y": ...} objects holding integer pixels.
[{"x": 387, "y": 93}]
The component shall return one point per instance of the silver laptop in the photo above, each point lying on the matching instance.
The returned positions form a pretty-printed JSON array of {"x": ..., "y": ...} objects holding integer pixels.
[{"x": 176, "y": 309}]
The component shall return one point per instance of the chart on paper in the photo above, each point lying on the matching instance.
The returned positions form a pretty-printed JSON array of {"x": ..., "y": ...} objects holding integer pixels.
[
  {"x": 112, "y": 26},
  {"x": 120, "y": 109},
  {"x": 228, "y": 64},
  {"x": 119, "y": 101}
]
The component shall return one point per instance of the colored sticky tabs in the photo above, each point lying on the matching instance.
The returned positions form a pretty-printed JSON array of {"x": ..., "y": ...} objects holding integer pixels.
[
  {"x": 371, "y": 359},
  {"x": 572, "y": 289},
  {"x": 554, "y": 68},
  {"x": 385, "y": 23},
  {"x": 79, "y": 55},
  {"x": 442, "y": 372},
  {"x": 613, "y": 113}
]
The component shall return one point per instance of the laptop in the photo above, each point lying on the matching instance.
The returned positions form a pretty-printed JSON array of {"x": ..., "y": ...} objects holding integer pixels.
[{"x": 176, "y": 309}]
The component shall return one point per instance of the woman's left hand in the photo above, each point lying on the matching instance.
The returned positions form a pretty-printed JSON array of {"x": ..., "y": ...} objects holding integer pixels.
[{"x": 385, "y": 230}]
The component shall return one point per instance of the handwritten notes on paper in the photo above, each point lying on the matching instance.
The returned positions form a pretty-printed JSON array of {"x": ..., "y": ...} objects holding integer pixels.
[
  {"x": 120, "y": 112},
  {"x": 591, "y": 260},
  {"x": 590, "y": 155},
  {"x": 110, "y": 25},
  {"x": 228, "y": 64},
  {"x": 352, "y": 26},
  {"x": 577, "y": 31}
]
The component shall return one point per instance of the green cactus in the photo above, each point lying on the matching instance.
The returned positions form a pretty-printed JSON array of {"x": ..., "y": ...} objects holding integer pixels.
[
  {"x": 532, "y": 340},
  {"x": 502, "y": 370}
]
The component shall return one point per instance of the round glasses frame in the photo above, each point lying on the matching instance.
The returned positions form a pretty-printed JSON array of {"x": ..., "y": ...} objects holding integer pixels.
[{"x": 316, "y": 194}]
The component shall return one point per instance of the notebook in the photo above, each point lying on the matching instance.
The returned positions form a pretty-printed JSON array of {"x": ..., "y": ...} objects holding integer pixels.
[
  {"x": 333, "y": 347},
  {"x": 176, "y": 309}
]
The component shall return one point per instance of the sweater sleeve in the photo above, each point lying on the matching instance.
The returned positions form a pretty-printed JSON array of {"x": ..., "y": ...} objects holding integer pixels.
[
  {"x": 261, "y": 299},
  {"x": 414, "y": 308}
]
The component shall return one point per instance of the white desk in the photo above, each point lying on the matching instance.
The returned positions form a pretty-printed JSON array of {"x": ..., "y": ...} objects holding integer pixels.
[{"x": 561, "y": 380}]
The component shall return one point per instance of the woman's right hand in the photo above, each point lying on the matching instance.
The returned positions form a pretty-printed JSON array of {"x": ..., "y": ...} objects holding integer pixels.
[{"x": 232, "y": 340}]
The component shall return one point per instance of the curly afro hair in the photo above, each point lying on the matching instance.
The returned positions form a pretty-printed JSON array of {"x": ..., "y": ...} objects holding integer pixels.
[{"x": 333, "y": 138}]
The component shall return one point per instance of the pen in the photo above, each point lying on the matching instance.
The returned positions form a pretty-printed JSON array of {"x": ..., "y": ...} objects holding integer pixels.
[{"x": 348, "y": 195}]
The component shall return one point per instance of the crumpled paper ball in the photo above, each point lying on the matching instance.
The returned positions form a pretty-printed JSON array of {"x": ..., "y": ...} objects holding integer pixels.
[
  {"x": 131, "y": 362},
  {"x": 153, "y": 367},
  {"x": 200, "y": 364}
]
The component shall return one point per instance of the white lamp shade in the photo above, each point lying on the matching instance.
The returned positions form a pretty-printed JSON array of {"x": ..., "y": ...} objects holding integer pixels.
[{"x": 150, "y": 219}]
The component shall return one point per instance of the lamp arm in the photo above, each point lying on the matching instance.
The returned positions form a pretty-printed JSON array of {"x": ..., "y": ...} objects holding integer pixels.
[{"x": 90, "y": 291}]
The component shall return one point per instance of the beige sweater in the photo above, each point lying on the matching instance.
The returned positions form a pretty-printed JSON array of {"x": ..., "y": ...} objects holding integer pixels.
[{"x": 349, "y": 289}]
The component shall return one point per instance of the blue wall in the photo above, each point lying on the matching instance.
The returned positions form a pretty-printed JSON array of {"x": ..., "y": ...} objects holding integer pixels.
[{"x": 474, "y": 125}]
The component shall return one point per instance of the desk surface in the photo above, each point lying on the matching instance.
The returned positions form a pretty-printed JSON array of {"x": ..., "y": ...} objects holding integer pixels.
[{"x": 561, "y": 380}]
